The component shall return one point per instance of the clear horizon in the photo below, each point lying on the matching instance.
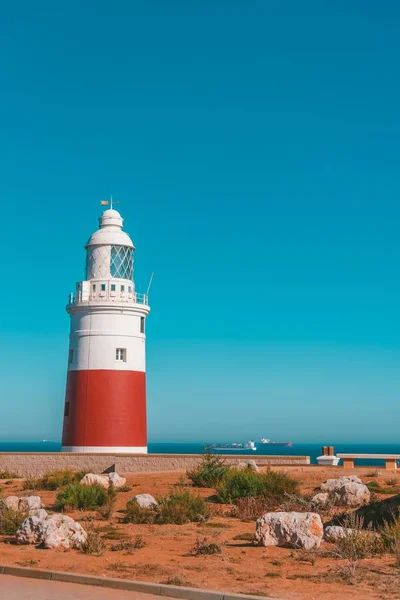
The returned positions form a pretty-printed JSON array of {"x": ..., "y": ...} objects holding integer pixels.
[{"x": 254, "y": 150}]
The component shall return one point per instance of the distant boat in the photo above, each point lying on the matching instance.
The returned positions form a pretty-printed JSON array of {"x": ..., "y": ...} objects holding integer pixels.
[
  {"x": 268, "y": 441},
  {"x": 234, "y": 446}
]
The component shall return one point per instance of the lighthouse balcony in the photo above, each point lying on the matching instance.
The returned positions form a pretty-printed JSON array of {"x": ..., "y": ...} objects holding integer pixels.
[{"x": 86, "y": 297}]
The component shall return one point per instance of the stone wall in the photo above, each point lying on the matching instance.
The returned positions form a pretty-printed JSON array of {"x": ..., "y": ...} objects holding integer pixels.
[{"x": 36, "y": 464}]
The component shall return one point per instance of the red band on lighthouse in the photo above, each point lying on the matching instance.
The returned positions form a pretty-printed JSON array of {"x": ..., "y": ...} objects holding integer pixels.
[{"x": 105, "y": 403}]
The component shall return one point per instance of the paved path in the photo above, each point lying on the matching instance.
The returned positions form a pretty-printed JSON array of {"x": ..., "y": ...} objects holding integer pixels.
[{"x": 24, "y": 588}]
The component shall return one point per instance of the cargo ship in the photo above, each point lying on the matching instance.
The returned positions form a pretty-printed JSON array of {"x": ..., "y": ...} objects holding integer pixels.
[
  {"x": 234, "y": 446},
  {"x": 268, "y": 441}
]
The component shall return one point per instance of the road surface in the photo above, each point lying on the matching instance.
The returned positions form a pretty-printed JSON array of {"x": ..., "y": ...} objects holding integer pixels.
[{"x": 24, "y": 588}]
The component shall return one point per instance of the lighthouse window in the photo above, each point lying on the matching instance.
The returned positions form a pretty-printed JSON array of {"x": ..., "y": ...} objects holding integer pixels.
[
  {"x": 121, "y": 354},
  {"x": 122, "y": 288},
  {"x": 141, "y": 324},
  {"x": 113, "y": 287},
  {"x": 121, "y": 262},
  {"x": 103, "y": 287},
  {"x": 70, "y": 356},
  {"x": 94, "y": 287}
]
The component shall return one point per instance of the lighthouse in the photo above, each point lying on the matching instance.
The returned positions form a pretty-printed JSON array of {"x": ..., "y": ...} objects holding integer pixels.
[{"x": 105, "y": 401}]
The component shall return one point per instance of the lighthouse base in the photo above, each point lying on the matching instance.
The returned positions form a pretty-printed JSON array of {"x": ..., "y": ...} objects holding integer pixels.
[{"x": 106, "y": 449}]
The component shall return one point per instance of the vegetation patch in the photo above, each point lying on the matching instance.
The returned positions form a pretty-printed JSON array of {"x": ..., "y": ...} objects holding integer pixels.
[
  {"x": 136, "y": 544},
  {"x": 106, "y": 511},
  {"x": 245, "y": 483},
  {"x": 204, "y": 546},
  {"x": 390, "y": 488},
  {"x": 210, "y": 472},
  {"x": 81, "y": 497},
  {"x": 94, "y": 542},
  {"x": 177, "y": 508},
  {"x": 54, "y": 480},
  {"x": 8, "y": 475}
]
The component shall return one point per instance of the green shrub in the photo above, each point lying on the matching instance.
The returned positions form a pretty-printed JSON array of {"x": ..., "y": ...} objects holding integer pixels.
[
  {"x": 8, "y": 475},
  {"x": 136, "y": 514},
  {"x": 54, "y": 480},
  {"x": 106, "y": 511},
  {"x": 209, "y": 472},
  {"x": 10, "y": 519},
  {"x": 82, "y": 497},
  {"x": 203, "y": 546},
  {"x": 272, "y": 485},
  {"x": 182, "y": 507}
]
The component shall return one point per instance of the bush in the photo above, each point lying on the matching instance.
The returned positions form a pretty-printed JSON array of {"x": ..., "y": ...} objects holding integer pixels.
[
  {"x": 94, "y": 543},
  {"x": 136, "y": 514},
  {"x": 209, "y": 472},
  {"x": 241, "y": 484},
  {"x": 8, "y": 475},
  {"x": 250, "y": 508},
  {"x": 135, "y": 544},
  {"x": 106, "y": 511},
  {"x": 10, "y": 519},
  {"x": 182, "y": 507},
  {"x": 203, "y": 546},
  {"x": 390, "y": 533},
  {"x": 82, "y": 497},
  {"x": 54, "y": 480}
]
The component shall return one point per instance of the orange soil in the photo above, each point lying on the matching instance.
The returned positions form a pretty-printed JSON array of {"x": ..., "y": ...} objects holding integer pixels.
[{"x": 242, "y": 567}]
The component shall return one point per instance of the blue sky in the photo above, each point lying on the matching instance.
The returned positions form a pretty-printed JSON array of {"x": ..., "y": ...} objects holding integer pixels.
[{"x": 254, "y": 147}]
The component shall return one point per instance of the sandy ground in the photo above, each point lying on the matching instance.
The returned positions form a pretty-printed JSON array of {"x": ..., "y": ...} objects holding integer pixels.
[{"x": 242, "y": 567}]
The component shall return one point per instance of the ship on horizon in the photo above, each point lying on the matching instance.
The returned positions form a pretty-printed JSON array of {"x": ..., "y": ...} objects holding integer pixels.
[
  {"x": 234, "y": 446},
  {"x": 268, "y": 441}
]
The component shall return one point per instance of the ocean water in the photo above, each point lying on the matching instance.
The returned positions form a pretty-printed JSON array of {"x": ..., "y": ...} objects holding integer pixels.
[{"x": 312, "y": 450}]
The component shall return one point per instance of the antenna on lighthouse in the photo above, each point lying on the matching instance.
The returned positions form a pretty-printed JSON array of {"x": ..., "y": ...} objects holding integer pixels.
[{"x": 150, "y": 282}]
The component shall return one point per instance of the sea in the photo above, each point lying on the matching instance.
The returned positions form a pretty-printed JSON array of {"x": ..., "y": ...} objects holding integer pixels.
[{"x": 311, "y": 450}]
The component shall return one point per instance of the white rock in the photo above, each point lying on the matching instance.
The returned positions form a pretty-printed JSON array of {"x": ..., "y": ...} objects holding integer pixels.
[
  {"x": 93, "y": 479},
  {"x": 40, "y": 513},
  {"x": 333, "y": 532},
  {"x": 320, "y": 499},
  {"x": 290, "y": 529},
  {"x": 11, "y": 502},
  {"x": 51, "y": 532},
  {"x": 116, "y": 480},
  {"x": 30, "y": 531},
  {"x": 348, "y": 491},
  {"x": 145, "y": 500},
  {"x": 252, "y": 465},
  {"x": 29, "y": 503}
]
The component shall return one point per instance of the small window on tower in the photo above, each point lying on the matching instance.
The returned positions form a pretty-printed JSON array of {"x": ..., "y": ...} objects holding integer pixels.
[
  {"x": 129, "y": 289},
  {"x": 70, "y": 356},
  {"x": 94, "y": 287},
  {"x": 121, "y": 354},
  {"x": 66, "y": 409},
  {"x": 141, "y": 324},
  {"x": 113, "y": 287},
  {"x": 103, "y": 287},
  {"x": 122, "y": 288}
]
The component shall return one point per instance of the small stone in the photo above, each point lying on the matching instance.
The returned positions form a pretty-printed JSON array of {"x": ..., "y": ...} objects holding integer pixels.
[
  {"x": 11, "y": 502},
  {"x": 320, "y": 499},
  {"x": 145, "y": 501}
]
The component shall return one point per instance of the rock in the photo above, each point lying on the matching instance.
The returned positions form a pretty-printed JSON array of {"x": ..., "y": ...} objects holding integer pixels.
[
  {"x": 348, "y": 491},
  {"x": 116, "y": 480},
  {"x": 60, "y": 530},
  {"x": 40, "y": 513},
  {"x": 30, "y": 503},
  {"x": 30, "y": 531},
  {"x": 290, "y": 530},
  {"x": 11, "y": 502},
  {"x": 333, "y": 532},
  {"x": 252, "y": 465},
  {"x": 320, "y": 499},
  {"x": 51, "y": 532},
  {"x": 93, "y": 479},
  {"x": 145, "y": 500}
]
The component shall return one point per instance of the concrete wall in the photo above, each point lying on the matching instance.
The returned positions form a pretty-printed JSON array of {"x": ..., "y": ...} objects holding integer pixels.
[{"x": 36, "y": 464}]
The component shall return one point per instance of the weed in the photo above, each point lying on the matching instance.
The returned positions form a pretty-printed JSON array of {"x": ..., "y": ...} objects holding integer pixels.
[
  {"x": 54, "y": 480},
  {"x": 203, "y": 546},
  {"x": 374, "y": 473},
  {"x": 276, "y": 563},
  {"x": 217, "y": 525},
  {"x": 392, "y": 481},
  {"x": 8, "y": 475},
  {"x": 120, "y": 567},
  {"x": 106, "y": 511},
  {"x": 28, "y": 563},
  {"x": 245, "y": 537},
  {"x": 125, "y": 488},
  {"x": 374, "y": 486},
  {"x": 272, "y": 485},
  {"x": 250, "y": 508},
  {"x": 10, "y": 519},
  {"x": 272, "y": 574},
  {"x": 210, "y": 471},
  {"x": 305, "y": 556},
  {"x": 110, "y": 532},
  {"x": 135, "y": 544},
  {"x": 82, "y": 497},
  {"x": 175, "y": 580},
  {"x": 94, "y": 543},
  {"x": 390, "y": 533}
]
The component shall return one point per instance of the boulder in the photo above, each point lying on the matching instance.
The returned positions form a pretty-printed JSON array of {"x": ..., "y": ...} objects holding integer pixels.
[
  {"x": 30, "y": 503},
  {"x": 290, "y": 530},
  {"x": 51, "y": 532},
  {"x": 116, "y": 480},
  {"x": 145, "y": 500},
  {"x": 333, "y": 532},
  {"x": 40, "y": 513},
  {"x": 252, "y": 465},
  {"x": 347, "y": 491},
  {"x": 321, "y": 499},
  {"x": 11, "y": 502},
  {"x": 93, "y": 479}
]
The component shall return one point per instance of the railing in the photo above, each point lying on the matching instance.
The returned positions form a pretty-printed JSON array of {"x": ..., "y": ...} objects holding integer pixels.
[{"x": 88, "y": 297}]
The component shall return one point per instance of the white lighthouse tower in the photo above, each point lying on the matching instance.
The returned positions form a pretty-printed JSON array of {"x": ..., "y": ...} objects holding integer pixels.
[{"x": 105, "y": 403}]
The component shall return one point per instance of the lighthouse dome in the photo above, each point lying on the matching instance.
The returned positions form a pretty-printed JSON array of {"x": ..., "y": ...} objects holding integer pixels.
[{"x": 110, "y": 232}]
